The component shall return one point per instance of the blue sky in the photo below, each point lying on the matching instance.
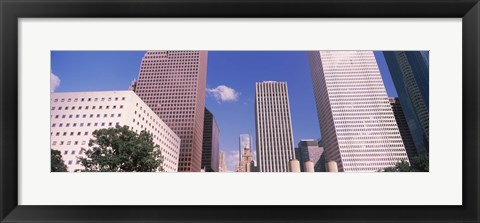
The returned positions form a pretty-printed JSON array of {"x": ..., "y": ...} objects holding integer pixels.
[{"x": 239, "y": 70}]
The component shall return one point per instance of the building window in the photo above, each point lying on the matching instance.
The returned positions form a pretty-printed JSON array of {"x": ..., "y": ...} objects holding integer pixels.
[
  {"x": 54, "y": 143},
  {"x": 53, "y": 108},
  {"x": 86, "y": 133},
  {"x": 70, "y": 162},
  {"x": 66, "y": 152},
  {"x": 73, "y": 152}
]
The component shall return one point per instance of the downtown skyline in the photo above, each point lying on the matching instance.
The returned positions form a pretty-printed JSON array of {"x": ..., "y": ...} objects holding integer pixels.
[{"x": 231, "y": 78}]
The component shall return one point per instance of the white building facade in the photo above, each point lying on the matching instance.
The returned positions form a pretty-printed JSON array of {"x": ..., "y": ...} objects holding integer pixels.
[
  {"x": 275, "y": 147},
  {"x": 75, "y": 115},
  {"x": 358, "y": 127}
]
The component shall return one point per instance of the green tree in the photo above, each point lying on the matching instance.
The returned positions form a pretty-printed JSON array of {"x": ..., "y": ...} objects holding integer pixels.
[
  {"x": 121, "y": 150},
  {"x": 56, "y": 162},
  {"x": 417, "y": 164},
  {"x": 420, "y": 163}
]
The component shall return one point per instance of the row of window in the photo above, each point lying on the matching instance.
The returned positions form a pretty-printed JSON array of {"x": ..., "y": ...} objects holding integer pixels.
[
  {"x": 87, "y": 107},
  {"x": 86, "y": 99},
  {"x": 85, "y": 116},
  {"x": 81, "y": 124}
]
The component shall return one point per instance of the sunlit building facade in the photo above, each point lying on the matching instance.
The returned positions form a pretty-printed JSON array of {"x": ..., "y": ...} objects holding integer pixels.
[
  {"x": 75, "y": 115},
  {"x": 173, "y": 84},
  {"x": 358, "y": 127},
  {"x": 274, "y": 137}
]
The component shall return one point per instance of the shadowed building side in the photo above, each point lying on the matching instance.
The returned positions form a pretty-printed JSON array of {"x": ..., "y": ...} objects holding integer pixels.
[{"x": 211, "y": 143}]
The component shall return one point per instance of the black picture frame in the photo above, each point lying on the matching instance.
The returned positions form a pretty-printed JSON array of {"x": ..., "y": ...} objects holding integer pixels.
[{"x": 12, "y": 10}]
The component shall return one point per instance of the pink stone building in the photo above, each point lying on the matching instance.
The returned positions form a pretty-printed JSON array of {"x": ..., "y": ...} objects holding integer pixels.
[{"x": 172, "y": 84}]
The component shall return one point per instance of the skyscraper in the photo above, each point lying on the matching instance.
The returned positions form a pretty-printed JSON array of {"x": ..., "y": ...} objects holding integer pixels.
[
  {"x": 359, "y": 131},
  {"x": 172, "y": 84},
  {"x": 309, "y": 150},
  {"x": 403, "y": 127},
  {"x": 409, "y": 70},
  {"x": 273, "y": 127},
  {"x": 244, "y": 140},
  {"x": 211, "y": 143}
]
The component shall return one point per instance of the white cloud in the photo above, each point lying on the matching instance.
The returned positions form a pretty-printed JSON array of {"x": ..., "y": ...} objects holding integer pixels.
[
  {"x": 54, "y": 82},
  {"x": 223, "y": 93}
]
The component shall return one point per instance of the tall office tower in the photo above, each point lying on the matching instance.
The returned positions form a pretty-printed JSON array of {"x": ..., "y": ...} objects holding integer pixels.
[
  {"x": 403, "y": 127},
  {"x": 359, "y": 131},
  {"x": 273, "y": 127},
  {"x": 308, "y": 150},
  {"x": 75, "y": 115},
  {"x": 222, "y": 164},
  {"x": 244, "y": 140},
  {"x": 172, "y": 83},
  {"x": 409, "y": 72},
  {"x": 211, "y": 143}
]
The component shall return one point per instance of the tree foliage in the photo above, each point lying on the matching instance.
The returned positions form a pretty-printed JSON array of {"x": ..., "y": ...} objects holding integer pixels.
[
  {"x": 417, "y": 164},
  {"x": 121, "y": 150},
  {"x": 56, "y": 161}
]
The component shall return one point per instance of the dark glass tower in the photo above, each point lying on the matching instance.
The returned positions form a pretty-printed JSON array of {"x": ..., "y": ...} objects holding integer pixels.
[
  {"x": 409, "y": 70},
  {"x": 211, "y": 143}
]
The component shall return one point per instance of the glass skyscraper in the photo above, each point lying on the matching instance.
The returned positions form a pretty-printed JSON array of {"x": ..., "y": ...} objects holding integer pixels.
[
  {"x": 410, "y": 74},
  {"x": 211, "y": 143},
  {"x": 244, "y": 141}
]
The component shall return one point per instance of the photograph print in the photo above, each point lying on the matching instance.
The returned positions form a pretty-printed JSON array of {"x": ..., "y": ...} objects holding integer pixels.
[{"x": 239, "y": 111}]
